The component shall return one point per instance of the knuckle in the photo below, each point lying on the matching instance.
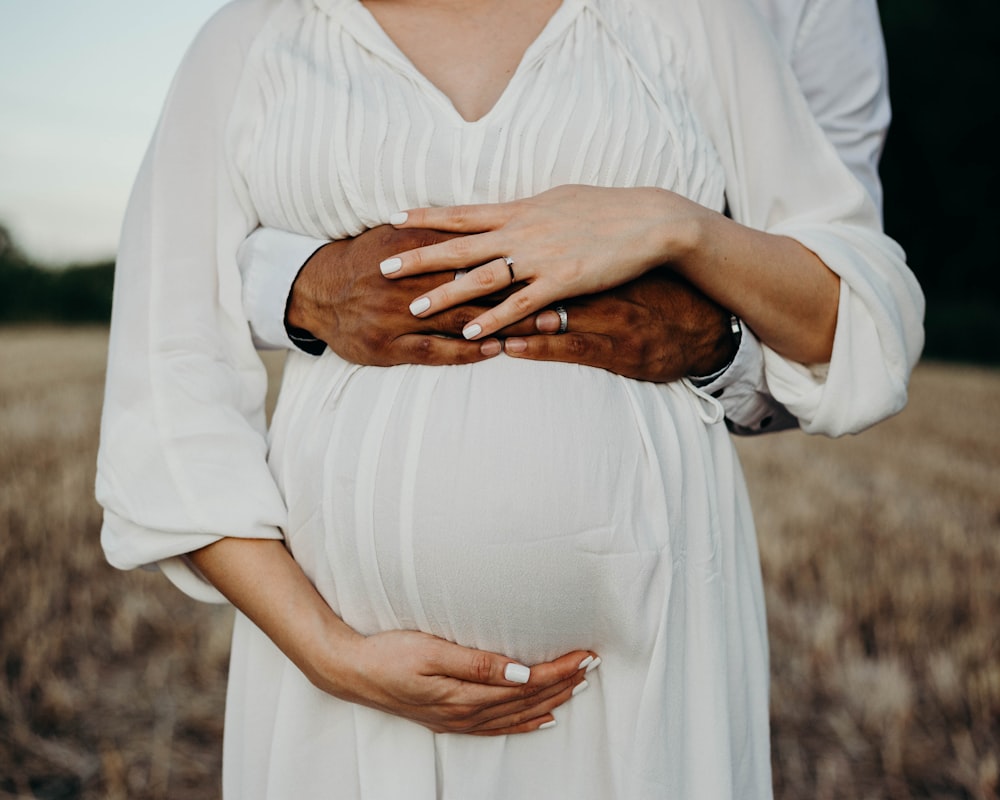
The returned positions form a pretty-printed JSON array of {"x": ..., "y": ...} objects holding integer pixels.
[
  {"x": 416, "y": 259},
  {"x": 422, "y": 349},
  {"x": 521, "y": 303},
  {"x": 461, "y": 247},
  {"x": 481, "y": 667},
  {"x": 374, "y": 343},
  {"x": 458, "y": 215},
  {"x": 576, "y": 344},
  {"x": 483, "y": 278}
]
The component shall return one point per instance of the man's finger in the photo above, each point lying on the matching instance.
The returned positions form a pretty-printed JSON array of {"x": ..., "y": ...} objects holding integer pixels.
[
  {"x": 436, "y": 351},
  {"x": 450, "y": 322},
  {"x": 588, "y": 349}
]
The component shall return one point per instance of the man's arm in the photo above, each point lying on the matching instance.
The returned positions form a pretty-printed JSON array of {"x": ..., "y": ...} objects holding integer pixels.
[
  {"x": 838, "y": 56},
  {"x": 839, "y": 60}
]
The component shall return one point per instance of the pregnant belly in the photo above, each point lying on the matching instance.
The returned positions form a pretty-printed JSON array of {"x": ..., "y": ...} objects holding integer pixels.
[{"x": 521, "y": 507}]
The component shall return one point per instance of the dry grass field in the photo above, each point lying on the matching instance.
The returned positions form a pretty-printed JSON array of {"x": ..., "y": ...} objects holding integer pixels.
[{"x": 881, "y": 557}]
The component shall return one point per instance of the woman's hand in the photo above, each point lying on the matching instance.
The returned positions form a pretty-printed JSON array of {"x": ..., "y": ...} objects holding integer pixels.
[
  {"x": 567, "y": 242},
  {"x": 452, "y": 689},
  {"x": 440, "y": 685},
  {"x": 577, "y": 240}
]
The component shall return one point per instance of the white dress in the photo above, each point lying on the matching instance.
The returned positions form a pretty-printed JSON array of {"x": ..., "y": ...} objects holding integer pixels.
[{"x": 525, "y": 508}]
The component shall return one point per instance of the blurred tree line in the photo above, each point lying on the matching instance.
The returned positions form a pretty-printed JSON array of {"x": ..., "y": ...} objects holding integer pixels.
[
  {"x": 940, "y": 171},
  {"x": 29, "y": 293}
]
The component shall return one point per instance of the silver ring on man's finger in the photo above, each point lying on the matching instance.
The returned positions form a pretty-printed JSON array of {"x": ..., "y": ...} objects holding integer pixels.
[
  {"x": 563, "y": 318},
  {"x": 510, "y": 267}
]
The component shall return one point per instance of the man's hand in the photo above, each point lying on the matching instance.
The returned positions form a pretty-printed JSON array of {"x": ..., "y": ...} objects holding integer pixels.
[
  {"x": 657, "y": 328},
  {"x": 341, "y": 298}
]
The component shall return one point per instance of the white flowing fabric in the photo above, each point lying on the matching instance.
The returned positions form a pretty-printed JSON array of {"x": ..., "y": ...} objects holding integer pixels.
[{"x": 526, "y": 508}]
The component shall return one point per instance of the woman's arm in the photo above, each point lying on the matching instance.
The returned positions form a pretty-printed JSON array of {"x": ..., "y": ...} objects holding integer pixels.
[
  {"x": 440, "y": 685},
  {"x": 578, "y": 240}
]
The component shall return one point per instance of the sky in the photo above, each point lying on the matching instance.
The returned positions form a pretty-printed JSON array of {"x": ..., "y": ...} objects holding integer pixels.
[{"x": 81, "y": 85}]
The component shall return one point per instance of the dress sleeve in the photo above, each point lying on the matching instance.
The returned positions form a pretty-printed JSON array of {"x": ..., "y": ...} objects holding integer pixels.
[
  {"x": 183, "y": 453},
  {"x": 837, "y": 54},
  {"x": 785, "y": 177}
]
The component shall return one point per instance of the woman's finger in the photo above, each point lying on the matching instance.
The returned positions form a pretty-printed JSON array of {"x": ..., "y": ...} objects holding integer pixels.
[
  {"x": 517, "y": 715},
  {"x": 490, "y": 278},
  {"x": 463, "y": 252},
  {"x": 478, "y": 666},
  {"x": 455, "y": 219},
  {"x": 536, "y": 724},
  {"x": 524, "y": 302}
]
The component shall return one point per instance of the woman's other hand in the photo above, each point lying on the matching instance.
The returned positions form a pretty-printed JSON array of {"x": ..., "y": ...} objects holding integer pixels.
[
  {"x": 453, "y": 689},
  {"x": 566, "y": 242},
  {"x": 440, "y": 685}
]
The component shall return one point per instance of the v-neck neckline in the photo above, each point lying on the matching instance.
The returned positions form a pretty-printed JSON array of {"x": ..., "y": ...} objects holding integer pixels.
[{"x": 372, "y": 35}]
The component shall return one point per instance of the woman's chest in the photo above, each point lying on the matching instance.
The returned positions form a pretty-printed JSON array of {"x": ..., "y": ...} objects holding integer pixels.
[{"x": 343, "y": 130}]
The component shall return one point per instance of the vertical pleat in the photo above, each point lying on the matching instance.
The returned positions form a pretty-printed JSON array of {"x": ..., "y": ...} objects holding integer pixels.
[{"x": 351, "y": 131}]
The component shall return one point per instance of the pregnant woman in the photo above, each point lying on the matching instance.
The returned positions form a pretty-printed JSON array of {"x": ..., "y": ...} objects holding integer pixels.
[{"x": 411, "y": 539}]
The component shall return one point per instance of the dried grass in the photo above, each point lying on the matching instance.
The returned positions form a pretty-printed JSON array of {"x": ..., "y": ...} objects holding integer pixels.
[{"x": 881, "y": 558}]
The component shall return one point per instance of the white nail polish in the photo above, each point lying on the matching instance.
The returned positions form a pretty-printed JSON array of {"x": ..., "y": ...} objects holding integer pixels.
[
  {"x": 550, "y": 724},
  {"x": 398, "y": 218},
  {"x": 579, "y": 688},
  {"x": 391, "y": 265},
  {"x": 517, "y": 673},
  {"x": 585, "y": 662},
  {"x": 594, "y": 664},
  {"x": 420, "y": 306},
  {"x": 472, "y": 331}
]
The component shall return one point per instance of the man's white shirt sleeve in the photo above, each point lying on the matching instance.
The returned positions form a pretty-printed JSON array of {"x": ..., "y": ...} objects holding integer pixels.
[{"x": 270, "y": 260}]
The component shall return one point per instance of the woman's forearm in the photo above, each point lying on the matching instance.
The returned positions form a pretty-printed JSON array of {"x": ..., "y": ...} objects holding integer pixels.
[
  {"x": 260, "y": 578},
  {"x": 435, "y": 683},
  {"x": 776, "y": 285}
]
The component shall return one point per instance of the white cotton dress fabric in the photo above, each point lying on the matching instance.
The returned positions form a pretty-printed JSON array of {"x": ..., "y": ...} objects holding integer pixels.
[{"x": 526, "y": 508}]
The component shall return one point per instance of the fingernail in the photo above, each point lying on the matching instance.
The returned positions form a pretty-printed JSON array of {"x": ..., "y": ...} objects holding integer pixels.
[
  {"x": 550, "y": 724},
  {"x": 594, "y": 664},
  {"x": 491, "y": 347},
  {"x": 585, "y": 662},
  {"x": 398, "y": 218},
  {"x": 517, "y": 673},
  {"x": 390, "y": 265},
  {"x": 515, "y": 345},
  {"x": 580, "y": 687},
  {"x": 420, "y": 306},
  {"x": 472, "y": 331}
]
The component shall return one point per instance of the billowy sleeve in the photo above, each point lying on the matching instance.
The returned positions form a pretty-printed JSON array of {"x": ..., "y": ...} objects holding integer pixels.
[
  {"x": 785, "y": 177},
  {"x": 183, "y": 453}
]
